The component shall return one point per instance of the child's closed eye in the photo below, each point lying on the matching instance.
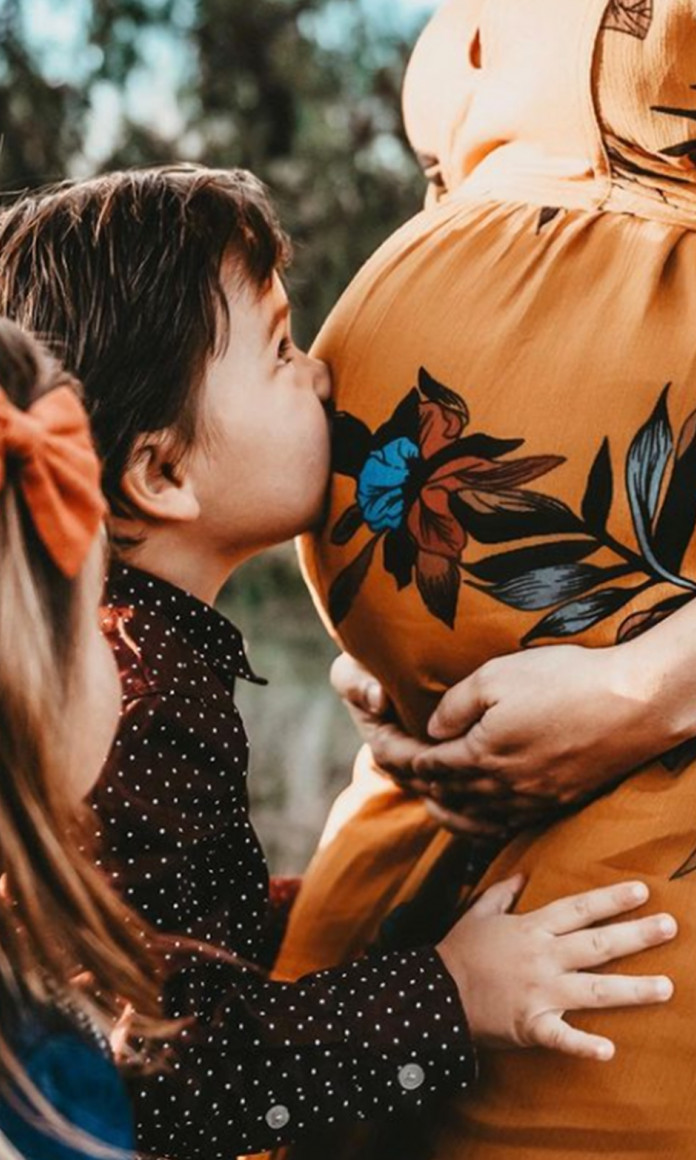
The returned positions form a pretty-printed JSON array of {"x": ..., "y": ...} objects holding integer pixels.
[{"x": 285, "y": 350}]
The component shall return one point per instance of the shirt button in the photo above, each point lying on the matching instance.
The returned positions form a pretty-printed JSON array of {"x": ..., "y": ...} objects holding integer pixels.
[
  {"x": 278, "y": 1117},
  {"x": 411, "y": 1076}
]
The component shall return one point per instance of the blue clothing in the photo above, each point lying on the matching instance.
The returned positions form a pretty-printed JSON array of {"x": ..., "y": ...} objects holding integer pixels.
[{"x": 82, "y": 1084}]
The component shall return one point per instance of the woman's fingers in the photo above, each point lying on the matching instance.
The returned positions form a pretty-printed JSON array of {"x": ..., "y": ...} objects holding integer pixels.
[
  {"x": 459, "y": 823},
  {"x": 581, "y": 910},
  {"x": 459, "y": 709},
  {"x": 459, "y": 757},
  {"x": 593, "y": 948},
  {"x": 553, "y": 1032},
  {"x": 357, "y": 686},
  {"x": 587, "y": 992},
  {"x": 394, "y": 751}
]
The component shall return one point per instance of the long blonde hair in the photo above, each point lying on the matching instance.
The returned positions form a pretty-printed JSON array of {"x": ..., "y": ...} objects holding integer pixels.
[{"x": 59, "y": 915}]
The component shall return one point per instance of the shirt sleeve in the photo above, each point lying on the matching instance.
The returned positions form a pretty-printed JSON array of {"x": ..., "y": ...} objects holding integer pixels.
[
  {"x": 265, "y": 1063},
  {"x": 282, "y": 895},
  {"x": 173, "y": 811}
]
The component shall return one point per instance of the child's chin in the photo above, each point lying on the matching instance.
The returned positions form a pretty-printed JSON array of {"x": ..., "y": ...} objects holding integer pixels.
[{"x": 314, "y": 518}]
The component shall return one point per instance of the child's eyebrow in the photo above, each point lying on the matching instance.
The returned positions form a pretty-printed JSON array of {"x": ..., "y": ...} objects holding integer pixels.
[{"x": 280, "y": 316}]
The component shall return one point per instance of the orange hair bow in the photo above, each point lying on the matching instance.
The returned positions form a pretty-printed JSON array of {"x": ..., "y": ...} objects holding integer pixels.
[{"x": 60, "y": 473}]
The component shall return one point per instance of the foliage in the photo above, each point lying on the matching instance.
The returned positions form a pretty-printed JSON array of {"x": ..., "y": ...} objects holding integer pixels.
[
  {"x": 236, "y": 82},
  {"x": 257, "y": 84}
]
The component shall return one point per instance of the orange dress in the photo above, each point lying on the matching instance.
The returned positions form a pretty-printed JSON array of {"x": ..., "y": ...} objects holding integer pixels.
[{"x": 515, "y": 465}]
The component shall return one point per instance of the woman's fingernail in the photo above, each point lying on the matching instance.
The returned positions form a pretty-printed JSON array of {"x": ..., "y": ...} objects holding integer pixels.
[
  {"x": 605, "y": 1051},
  {"x": 664, "y": 988}
]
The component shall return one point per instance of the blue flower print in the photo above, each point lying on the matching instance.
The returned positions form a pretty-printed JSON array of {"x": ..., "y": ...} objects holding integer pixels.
[{"x": 382, "y": 482}]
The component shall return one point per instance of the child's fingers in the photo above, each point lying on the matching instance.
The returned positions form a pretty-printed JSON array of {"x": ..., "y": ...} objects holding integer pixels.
[
  {"x": 585, "y": 992},
  {"x": 582, "y": 910},
  {"x": 552, "y": 1032},
  {"x": 498, "y": 899},
  {"x": 593, "y": 948}
]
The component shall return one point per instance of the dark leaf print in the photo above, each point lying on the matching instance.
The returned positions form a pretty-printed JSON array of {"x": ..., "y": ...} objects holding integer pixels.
[
  {"x": 507, "y": 565},
  {"x": 547, "y": 586},
  {"x": 428, "y": 491},
  {"x": 499, "y": 517},
  {"x": 581, "y": 614},
  {"x": 646, "y": 464},
  {"x": 685, "y": 148},
  {"x": 677, "y": 519},
  {"x": 597, "y": 500},
  {"x": 548, "y": 213},
  {"x": 345, "y": 587},
  {"x": 437, "y": 393},
  {"x": 682, "y": 148},
  {"x": 349, "y": 523},
  {"x": 403, "y": 424},
  {"x": 351, "y": 444},
  {"x": 677, "y": 759},
  {"x": 400, "y": 556},
  {"x": 478, "y": 447},
  {"x": 438, "y": 582},
  {"x": 641, "y": 621},
  {"x": 687, "y": 867},
  {"x": 631, "y": 16},
  {"x": 621, "y": 162}
]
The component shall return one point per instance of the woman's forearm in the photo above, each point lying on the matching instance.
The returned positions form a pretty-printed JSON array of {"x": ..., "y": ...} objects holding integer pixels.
[{"x": 664, "y": 663}]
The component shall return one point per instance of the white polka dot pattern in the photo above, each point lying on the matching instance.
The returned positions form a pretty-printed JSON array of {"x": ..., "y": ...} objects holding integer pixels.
[{"x": 262, "y": 1063}]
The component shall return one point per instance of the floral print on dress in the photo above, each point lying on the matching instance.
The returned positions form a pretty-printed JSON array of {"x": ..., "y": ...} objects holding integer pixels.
[
  {"x": 686, "y": 148},
  {"x": 660, "y": 482},
  {"x": 425, "y": 488},
  {"x": 631, "y": 16}
]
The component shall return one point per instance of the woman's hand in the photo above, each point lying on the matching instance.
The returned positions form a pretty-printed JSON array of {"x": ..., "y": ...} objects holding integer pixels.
[
  {"x": 518, "y": 975},
  {"x": 371, "y": 711},
  {"x": 554, "y": 725},
  {"x": 396, "y": 752}
]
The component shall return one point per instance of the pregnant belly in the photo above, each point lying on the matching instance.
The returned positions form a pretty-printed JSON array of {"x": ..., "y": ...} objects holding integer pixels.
[{"x": 495, "y": 375}]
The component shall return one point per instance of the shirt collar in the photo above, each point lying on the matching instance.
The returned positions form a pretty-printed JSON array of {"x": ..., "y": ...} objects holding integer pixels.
[{"x": 211, "y": 635}]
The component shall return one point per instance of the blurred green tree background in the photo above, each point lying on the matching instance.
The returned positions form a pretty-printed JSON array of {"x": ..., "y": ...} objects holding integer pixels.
[{"x": 306, "y": 93}]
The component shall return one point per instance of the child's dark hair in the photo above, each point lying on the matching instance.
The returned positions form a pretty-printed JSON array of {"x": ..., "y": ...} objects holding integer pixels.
[{"x": 123, "y": 278}]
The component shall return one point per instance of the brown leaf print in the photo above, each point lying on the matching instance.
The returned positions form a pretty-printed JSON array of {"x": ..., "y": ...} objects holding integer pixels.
[{"x": 631, "y": 16}]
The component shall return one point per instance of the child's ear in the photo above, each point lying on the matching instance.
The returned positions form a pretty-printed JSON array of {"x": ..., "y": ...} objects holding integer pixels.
[{"x": 157, "y": 484}]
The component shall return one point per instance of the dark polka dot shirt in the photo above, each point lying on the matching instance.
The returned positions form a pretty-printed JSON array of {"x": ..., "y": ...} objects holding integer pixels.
[{"x": 262, "y": 1063}]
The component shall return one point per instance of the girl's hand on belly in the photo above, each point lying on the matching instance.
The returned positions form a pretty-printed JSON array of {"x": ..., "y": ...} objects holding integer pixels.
[
  {"x": 554, "y": 726},
  {"x": 518, "y": 974}
]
